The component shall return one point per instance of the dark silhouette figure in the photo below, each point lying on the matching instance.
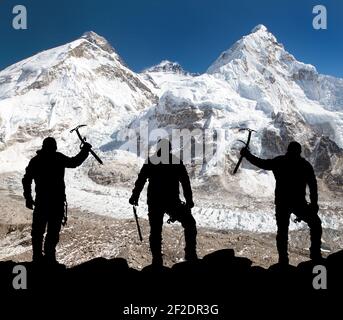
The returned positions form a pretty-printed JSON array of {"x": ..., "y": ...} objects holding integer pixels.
[
  {"x": 292, "y": 173},
  {"x": 165, "y": 172},
  {"x": 47, "y": 169}
]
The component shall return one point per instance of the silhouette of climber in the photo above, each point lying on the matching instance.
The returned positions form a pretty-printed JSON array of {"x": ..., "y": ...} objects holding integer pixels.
[
  {"x": 292, "y": 174},
  {"x": 46, "y": 169},
  {"x": 165, "y": 172}
]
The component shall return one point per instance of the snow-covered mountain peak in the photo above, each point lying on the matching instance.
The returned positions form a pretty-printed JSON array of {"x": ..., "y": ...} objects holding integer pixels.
[
  {"x": 93, "y": 36},
  {"x": 163, "y": 76},
  {"x": 167, "y": 67},
  {"x": 260, "y": 36},
  {"x": 259, "y": 27},
  {"x": 258, "y": 46},
  {"x": 98, "y": 40},
  {"x": 84, "y": 80},
  {"x": 259, "y": 68}
]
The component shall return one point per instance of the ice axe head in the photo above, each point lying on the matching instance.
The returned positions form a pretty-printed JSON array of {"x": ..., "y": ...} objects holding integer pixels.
[
  {"x": 249, "y": 136},
  {"x": 246, "y": 146},
  {"x": 78, "y": 127},
  {"x": 246, "y": 129},
  {"x": 83, "y": 141}
]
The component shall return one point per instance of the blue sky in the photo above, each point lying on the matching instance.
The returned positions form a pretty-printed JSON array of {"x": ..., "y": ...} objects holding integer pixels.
[{"x": 192, "y": 32}]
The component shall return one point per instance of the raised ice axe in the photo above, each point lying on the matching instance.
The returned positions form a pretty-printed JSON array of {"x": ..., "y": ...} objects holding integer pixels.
[
  {"x": 83, "y": 140},
  {"x": 246, "y": 145}
]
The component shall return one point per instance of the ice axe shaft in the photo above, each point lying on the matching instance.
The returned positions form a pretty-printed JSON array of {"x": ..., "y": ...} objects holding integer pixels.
[
  {"x": 137, "y": 223},
  {"x": 95, "y": 156},
  {"x": 238, "y": 164},
  {"x": 246, "y": 145},
  {"x": 76, "y": 129}
]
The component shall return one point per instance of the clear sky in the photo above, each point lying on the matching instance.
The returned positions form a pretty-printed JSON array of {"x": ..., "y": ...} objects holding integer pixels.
[{"x": 192, "y": 32}]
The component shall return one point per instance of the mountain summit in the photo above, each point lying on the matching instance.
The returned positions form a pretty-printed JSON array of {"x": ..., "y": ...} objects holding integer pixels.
[
  {"x": 258, "y": 67},
  {"x": 260, "y": 46},
  {"x": 167, "y": 67},
  {"x": 100, "y": 41},
  {"x": 259, "y": 27}
]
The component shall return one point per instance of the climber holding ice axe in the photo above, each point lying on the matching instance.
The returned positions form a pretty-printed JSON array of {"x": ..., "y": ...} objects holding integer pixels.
[
  {"x": 49, "y": 207},
  {"x": 47, "y": 169},
  {"x": 83, "y": 141},
  {"x": 165, "y": 173},
  {"x": 292, "y": 174}
]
